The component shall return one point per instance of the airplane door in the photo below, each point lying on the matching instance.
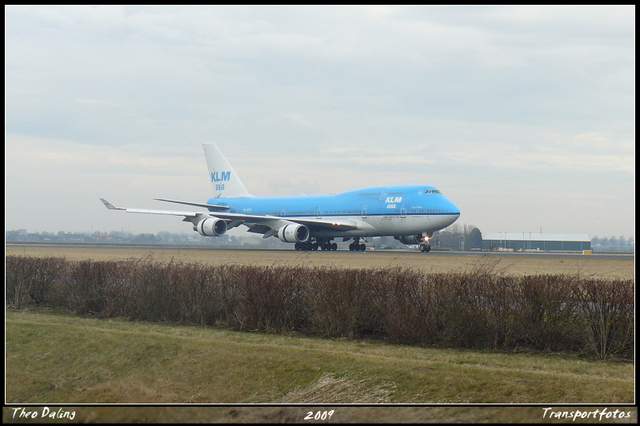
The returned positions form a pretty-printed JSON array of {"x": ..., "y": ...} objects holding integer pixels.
[
  {"x": 403, "y": 211},
  {"x": 383, "y": 194},
  {"x": 319, "y": 212},
  {"x": 364, "y": 212}
]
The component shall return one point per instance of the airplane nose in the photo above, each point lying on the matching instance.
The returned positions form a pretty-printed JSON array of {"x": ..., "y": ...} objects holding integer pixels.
[
  {"x": 453, "y": 209},
  {"x": 454, "y": 212}
]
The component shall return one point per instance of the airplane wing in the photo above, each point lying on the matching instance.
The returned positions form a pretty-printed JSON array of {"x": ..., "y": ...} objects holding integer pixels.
[
  {"x": 262, "y": 224},
  {"x": 190, "y": 216},
  {"x": 188, "y": 203},
  {"x": 337, "y": 225}
]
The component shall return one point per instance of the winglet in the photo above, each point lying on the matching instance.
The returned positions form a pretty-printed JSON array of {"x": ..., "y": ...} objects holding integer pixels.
[{"x": 110, "y": 206}]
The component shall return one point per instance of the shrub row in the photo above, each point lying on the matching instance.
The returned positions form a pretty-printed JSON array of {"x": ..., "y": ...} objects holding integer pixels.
[{"x": 464, "y": 310}]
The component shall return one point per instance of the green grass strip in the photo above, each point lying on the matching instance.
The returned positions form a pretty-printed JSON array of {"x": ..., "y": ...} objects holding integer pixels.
[{"x": 53, "y": 358}]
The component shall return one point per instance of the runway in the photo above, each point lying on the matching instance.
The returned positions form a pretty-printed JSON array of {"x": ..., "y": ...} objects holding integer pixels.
[{"x": 434, "y": 252}]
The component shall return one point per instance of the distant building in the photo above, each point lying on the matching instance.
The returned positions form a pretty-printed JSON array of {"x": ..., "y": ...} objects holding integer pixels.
[{"x": 527, "y": 241}]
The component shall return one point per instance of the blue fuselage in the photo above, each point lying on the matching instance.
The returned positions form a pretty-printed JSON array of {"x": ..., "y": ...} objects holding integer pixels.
[{"x": 379, "y": 211}]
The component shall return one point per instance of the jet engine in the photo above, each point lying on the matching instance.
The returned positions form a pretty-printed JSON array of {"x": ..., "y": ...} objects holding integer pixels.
[
  {"x": 211, "y": 227},
  {"x": 411, "y": 239},
  {"x": 293, "y": 233}
]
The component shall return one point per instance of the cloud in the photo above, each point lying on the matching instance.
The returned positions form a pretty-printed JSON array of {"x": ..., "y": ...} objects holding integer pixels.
[{"x": 322, "y": 98}]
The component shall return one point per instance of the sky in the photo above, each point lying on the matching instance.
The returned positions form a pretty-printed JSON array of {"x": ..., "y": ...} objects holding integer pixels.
[{"x": 523, "y": 116}]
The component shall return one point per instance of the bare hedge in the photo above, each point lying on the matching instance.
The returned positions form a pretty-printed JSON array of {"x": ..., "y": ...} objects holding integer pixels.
[{"x": 480, "y": 309}]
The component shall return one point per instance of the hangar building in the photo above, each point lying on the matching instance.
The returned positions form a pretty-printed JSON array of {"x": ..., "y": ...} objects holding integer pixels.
[{"x": 529, "y": 241}]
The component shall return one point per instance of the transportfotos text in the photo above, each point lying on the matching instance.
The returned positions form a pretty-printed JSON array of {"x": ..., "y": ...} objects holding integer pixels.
[{"x": 577, "y": 414}]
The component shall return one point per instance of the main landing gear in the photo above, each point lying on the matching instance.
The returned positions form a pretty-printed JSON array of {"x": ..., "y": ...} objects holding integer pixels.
[
  {"x": 326, "y": 245},
  {"x": 329, "y": 246},
  {"x": 315, "y": 244},
  {"x": 356, "y": 246}
]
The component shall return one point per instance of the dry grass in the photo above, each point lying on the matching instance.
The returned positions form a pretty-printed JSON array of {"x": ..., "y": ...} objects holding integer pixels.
[
  {"x": 514, "y": 264},
  {"x": 330, "y": 389}
]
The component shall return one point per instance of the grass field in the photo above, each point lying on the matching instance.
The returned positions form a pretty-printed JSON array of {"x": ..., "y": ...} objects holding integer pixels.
[
  {"x": 53, "y": 358},
  {"x": 515, "y": 263},
  {"x": 65, "y": 359}
]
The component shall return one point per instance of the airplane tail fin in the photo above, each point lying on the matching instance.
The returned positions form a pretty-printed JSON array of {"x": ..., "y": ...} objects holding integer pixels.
[{"x": 224, "y": 180}]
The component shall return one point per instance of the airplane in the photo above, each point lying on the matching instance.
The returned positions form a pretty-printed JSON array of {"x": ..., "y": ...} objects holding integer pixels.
[{"x": 410, "y": 213}]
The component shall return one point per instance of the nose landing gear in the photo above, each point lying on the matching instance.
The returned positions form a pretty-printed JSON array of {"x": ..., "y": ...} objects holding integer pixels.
[{"x": 425, "y": 247}]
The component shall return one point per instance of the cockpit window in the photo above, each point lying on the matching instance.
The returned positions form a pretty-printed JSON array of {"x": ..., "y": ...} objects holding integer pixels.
[{"x": 432, "y": 191}]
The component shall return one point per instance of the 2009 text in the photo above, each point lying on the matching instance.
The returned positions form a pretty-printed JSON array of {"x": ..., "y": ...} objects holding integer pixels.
[{"x": 320, "y": 415}]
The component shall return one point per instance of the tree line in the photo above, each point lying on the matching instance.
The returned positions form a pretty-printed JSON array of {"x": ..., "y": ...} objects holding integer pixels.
[{"x": 455, "y": 237}]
